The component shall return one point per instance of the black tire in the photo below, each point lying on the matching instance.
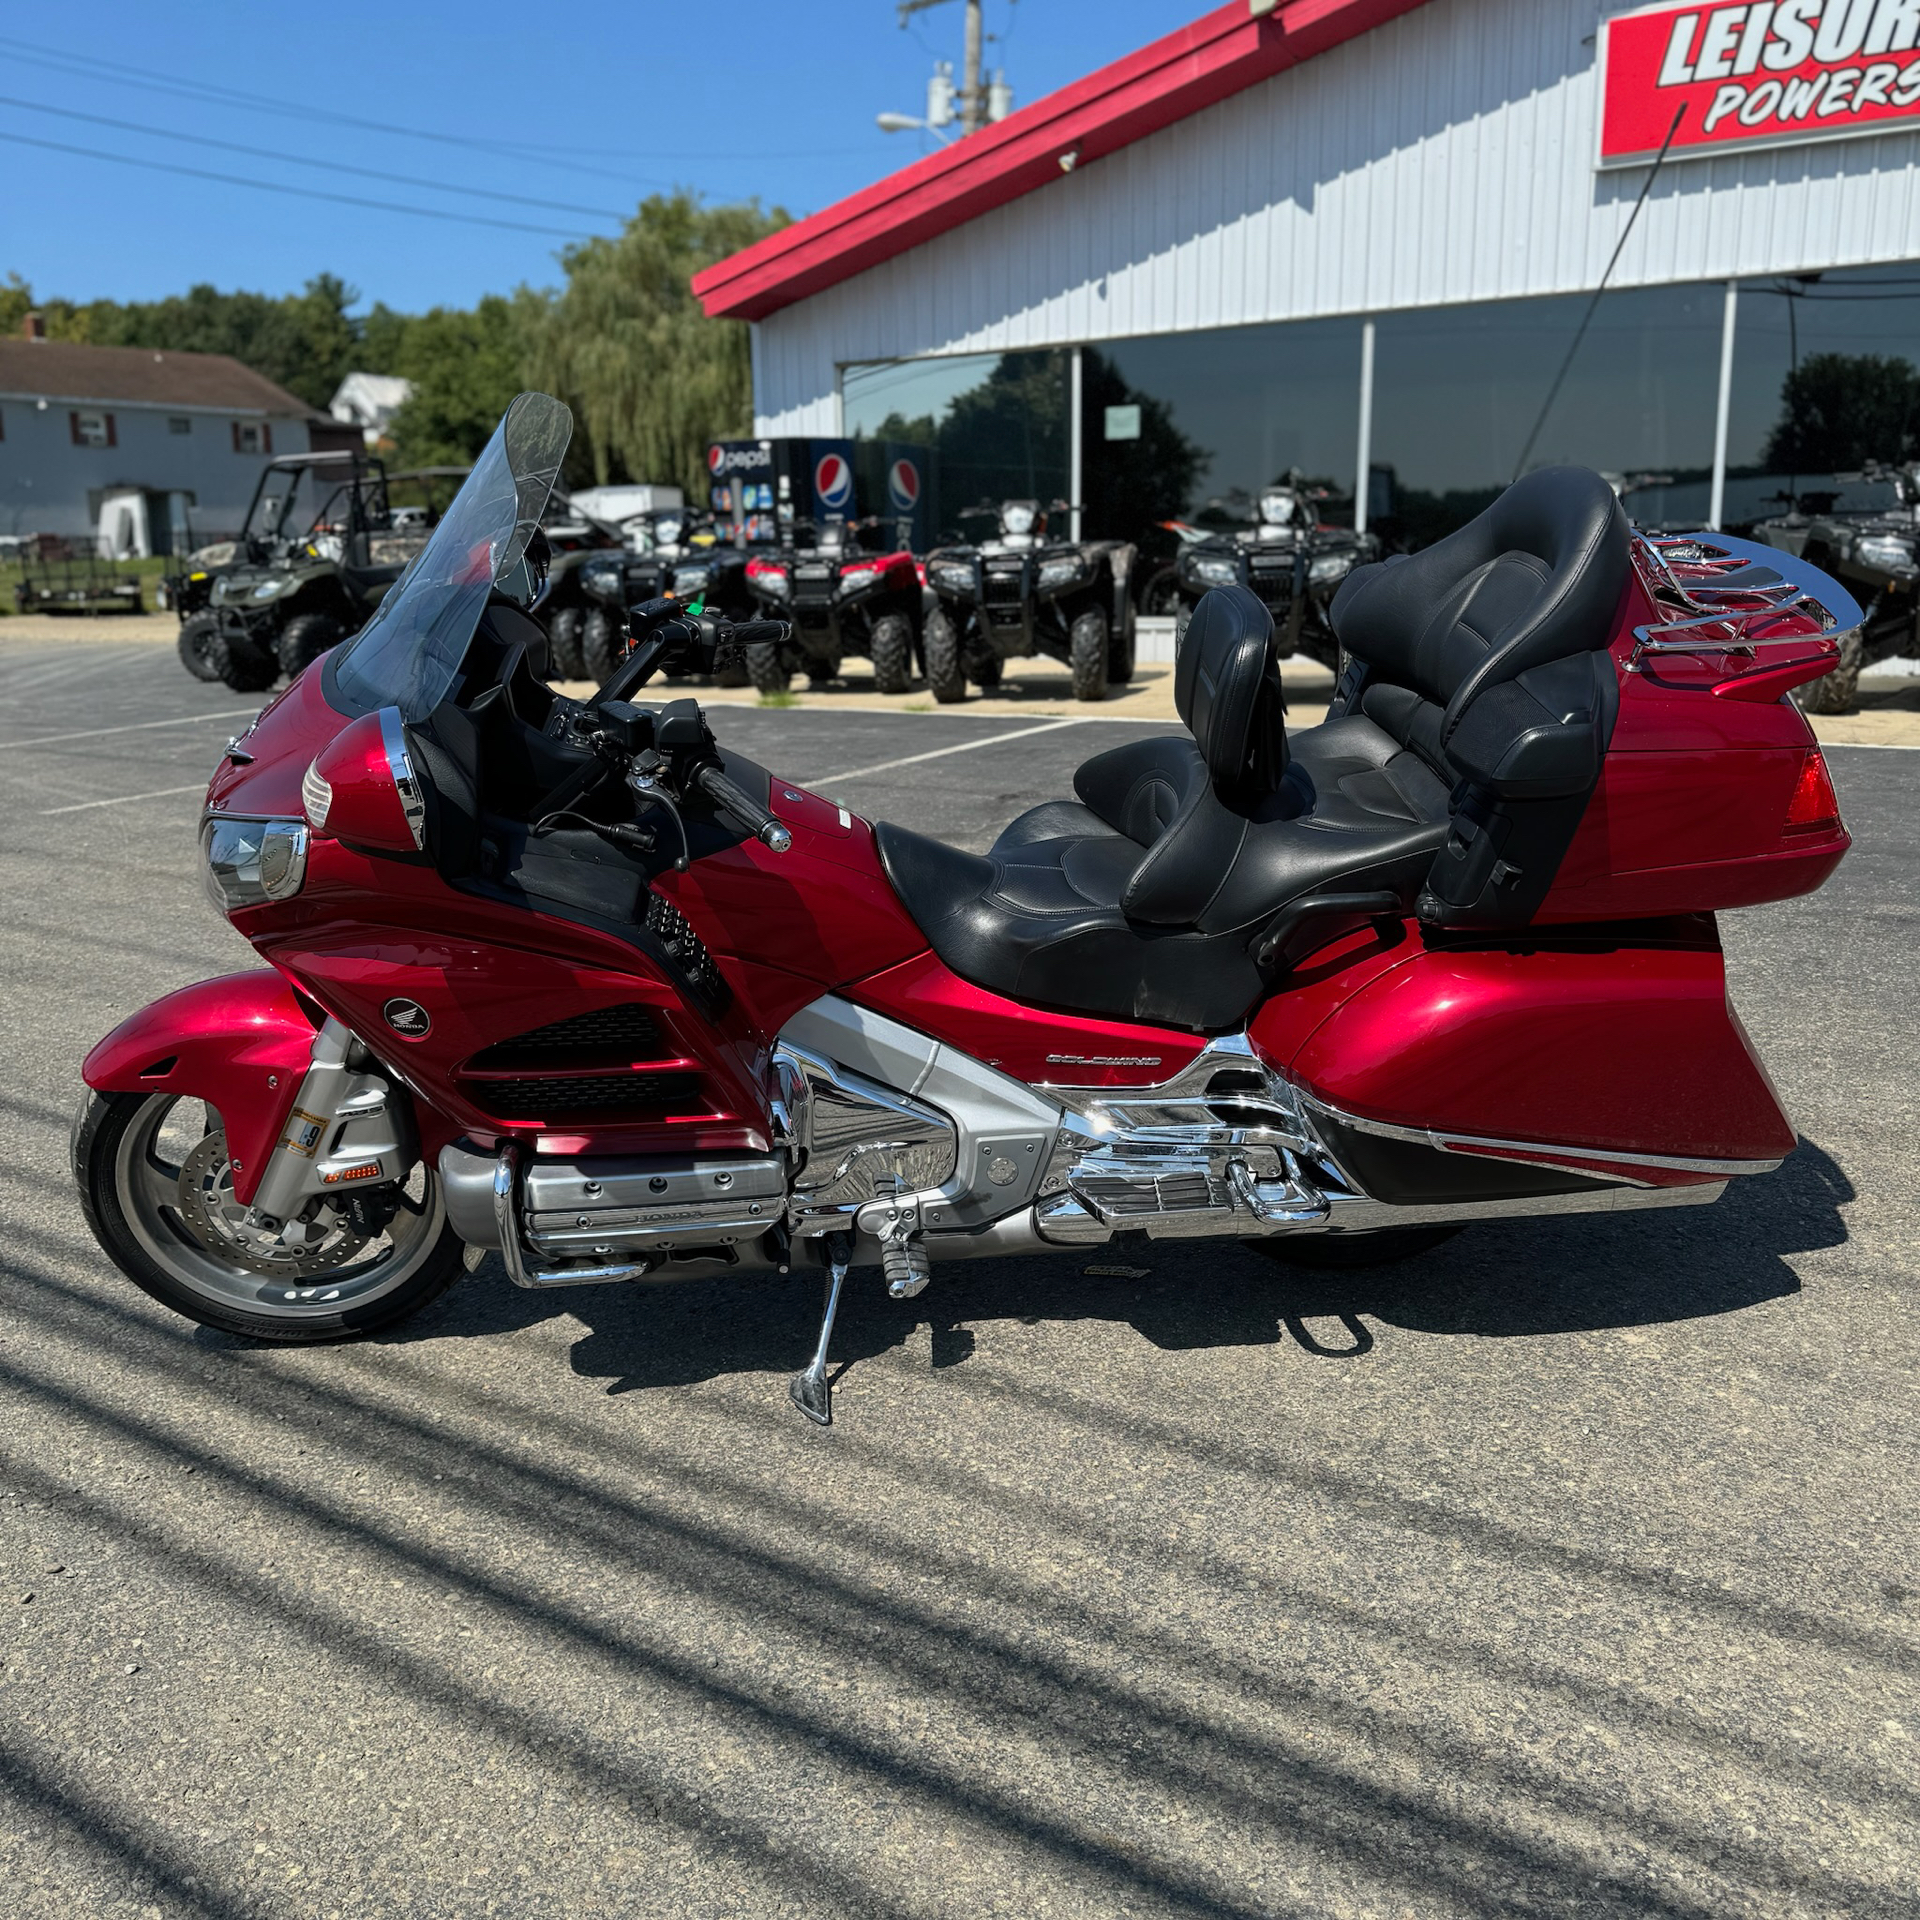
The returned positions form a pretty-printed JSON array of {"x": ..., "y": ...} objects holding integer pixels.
[
  {"x": 765, "y": 669},
  {"x": 1121, "y": 649},
  {"x": 985, "y": 670},
  {"x": 304, "y": 639},
  {"x": 1345, "y": 1252},
  {"x": 940, "y": 648},
  {"x": 892, "y": 649},
  {"x": 148, "y": 1255},
  {"x": 563, "y": 644},
  {"x": 823, "y": 673},
  {"x": 195, "y": 655},
  {"x": 240, "y": 664},
  {"x": 1160, "y": 597},
  {"x": 1087, "y": 654},
  {"x": 600, "y": 646},
  {"x": 1838, "y": 691}
]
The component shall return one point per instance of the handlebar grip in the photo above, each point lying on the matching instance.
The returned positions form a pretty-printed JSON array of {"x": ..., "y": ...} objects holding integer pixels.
[
  {"x": 766, "y": 827},
  {"x": 749, "y": 632}
]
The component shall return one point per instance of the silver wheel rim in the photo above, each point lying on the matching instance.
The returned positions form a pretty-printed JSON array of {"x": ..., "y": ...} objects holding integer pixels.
[{"x": 153, "y": 1149}]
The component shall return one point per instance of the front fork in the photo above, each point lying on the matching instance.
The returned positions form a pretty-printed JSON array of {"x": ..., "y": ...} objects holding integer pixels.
[{"x": 348, "y": 1128}]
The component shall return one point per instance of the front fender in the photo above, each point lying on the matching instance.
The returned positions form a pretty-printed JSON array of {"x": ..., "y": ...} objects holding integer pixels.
[{"x": 241, "y": 1043}]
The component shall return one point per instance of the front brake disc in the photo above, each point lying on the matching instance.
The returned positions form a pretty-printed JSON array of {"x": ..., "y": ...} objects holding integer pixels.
[{"x": 218, "y": 1222}]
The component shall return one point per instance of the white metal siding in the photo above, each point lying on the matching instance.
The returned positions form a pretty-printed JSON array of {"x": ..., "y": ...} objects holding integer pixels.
[{"x": 1445, "y": 157}]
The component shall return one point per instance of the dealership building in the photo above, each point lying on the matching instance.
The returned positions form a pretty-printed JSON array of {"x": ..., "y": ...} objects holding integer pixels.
[{"x": 1362, "y": 240}]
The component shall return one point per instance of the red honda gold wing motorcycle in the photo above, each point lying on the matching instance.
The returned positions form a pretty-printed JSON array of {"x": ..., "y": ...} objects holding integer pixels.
[{"x": 572, "y": 983}]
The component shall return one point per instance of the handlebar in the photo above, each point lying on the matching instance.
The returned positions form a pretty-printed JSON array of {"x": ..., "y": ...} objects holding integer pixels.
[{"x": 766, "y": 827}]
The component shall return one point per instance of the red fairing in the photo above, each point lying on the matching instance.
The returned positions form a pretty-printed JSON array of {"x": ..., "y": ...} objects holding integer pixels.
[
  {"x": 1027, "y": 1042},
  {"x": 283, "y": 741},
  {"x": 1596, "y": 1047},
  {"x": 240, "y": 1043}
]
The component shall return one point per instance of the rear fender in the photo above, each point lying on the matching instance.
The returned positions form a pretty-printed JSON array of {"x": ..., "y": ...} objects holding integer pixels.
[{"x": 241, "y": 1043}]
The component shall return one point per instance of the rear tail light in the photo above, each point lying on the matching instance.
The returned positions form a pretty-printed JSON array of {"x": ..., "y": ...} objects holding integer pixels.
[{"x": 1814, "y": 807}]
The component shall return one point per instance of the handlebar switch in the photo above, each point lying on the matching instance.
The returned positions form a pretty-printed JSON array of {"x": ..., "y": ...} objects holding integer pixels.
[
  {"x": 681, "y": 727},
  {"x": 629, "y": 727}
]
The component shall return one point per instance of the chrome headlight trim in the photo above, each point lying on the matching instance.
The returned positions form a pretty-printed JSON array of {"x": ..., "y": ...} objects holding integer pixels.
[{"x": 251, "y": 861}]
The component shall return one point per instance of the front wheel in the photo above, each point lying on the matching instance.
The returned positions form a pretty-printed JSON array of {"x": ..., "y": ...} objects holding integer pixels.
[
  {"x": 563, "y": 643},
  {"x": 891, "y": 647},
  {"x": 940, "y": 647},
  {"x": 241, "y": 664},
  {"x": 764, "y": 667},
  {"x": 197, "y": 633},
  {"x": 157, "y": 1189},
  {"x": 1087, "y": 654},
  {"x": 304, "y": 639},
  {"x": 599, "y": 646}
]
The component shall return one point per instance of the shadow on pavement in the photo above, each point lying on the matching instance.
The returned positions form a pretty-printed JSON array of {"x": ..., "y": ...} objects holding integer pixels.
[{"x": 1496, "y": 1280}]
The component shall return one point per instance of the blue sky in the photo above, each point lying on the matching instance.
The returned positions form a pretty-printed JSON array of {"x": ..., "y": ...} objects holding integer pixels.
[{"x": 601, "y": 103}]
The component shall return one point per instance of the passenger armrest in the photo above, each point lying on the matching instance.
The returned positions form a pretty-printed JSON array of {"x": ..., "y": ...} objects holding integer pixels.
[{"x": 1540, "y": 736}]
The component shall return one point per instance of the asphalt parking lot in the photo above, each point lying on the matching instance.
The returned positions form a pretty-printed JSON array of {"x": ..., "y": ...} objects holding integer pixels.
[{"x": 1568, "y": 1570}]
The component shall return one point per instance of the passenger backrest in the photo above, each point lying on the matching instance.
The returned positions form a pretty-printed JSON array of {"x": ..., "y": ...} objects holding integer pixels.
[
  {"x": 1534, "y": 579},
  {"x": 1226, "y": 687}
]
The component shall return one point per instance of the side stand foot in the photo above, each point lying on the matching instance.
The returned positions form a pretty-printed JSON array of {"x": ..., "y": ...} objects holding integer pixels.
[{"x": 809, "y": 1391}]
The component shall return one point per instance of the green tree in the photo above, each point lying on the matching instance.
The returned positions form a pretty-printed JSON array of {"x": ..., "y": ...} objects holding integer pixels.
[
  {"x": 650, "y": 378},
  {"x": 1840, "y": 410},
  {"x": 465, "y": 368}
]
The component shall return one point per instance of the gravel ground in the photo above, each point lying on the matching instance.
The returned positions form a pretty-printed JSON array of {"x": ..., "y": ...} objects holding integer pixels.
[{"x": 1568, "y": 1570}]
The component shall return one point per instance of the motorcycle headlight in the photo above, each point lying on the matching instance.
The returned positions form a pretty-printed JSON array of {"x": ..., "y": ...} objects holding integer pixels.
[
  {"x": 852, "y": 579},
  {"x": 250, "y": 862},
  {"x": 1329, "y": 567},
  {"x": 956, "y": 576},
  {"x": 1887, "y": 550},
  {"x": 1062, "y": 572},
  {"x": 1216, "y": 570}
]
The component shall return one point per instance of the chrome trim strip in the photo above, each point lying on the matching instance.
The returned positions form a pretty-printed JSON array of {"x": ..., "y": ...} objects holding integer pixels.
[
  {"x": 400, "y": 765},
  {"x": 1539, "y": 1153}
]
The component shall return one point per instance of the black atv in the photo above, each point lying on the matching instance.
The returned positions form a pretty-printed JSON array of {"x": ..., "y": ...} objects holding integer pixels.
[
  {"x": 1019, "y": 594},
  {"x": 579, "y": 543},
  {"x": 1288, "y": 558},
  {"x": 1867, "y": 536},
  {"x": 836, "y": 600},
  {"x": 324, "y": 539}
]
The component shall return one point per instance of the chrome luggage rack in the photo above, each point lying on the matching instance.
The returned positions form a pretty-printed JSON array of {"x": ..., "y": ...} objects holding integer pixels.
[{"x": 1700, "y": 573}]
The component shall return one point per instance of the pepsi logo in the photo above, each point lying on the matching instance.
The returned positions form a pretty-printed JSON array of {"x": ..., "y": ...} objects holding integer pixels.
[
  {"x": 903, "y": 486},
  {"x": 832, "y": 481},
  {"x": 716, "y": 458}
]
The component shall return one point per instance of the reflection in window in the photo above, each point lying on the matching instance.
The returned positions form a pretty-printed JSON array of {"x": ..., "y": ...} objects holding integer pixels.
[
  {"x": 1460, "y": 391},
  {"x": 982, "y": 427},
  {"x": 1825, "y": 383}
]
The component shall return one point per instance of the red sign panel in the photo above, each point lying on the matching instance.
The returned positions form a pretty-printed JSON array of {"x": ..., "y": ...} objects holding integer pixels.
[{"x": 1755, "y": 73}]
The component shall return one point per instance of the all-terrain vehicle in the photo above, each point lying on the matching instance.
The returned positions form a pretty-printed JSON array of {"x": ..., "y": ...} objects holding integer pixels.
[
  {"x": 1021, "y": 593},
  {"x": 319, "y": 548},
  {"x": 576, "y": 541},
  {"x": 1867, "y": 536},
  {"x": 837, "y": 600},
  {"x": 1289, "y": 559}
]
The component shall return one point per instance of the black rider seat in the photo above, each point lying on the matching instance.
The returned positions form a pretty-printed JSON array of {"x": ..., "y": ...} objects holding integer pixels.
[{"x": 1479, "y": 702}]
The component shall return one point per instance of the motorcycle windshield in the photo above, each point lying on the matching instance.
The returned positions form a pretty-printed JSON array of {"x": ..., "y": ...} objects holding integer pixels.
[{"x": 407, "y": 655}]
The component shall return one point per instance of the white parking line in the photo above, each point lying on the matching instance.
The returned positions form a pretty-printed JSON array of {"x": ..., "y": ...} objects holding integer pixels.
[
  {"x": 938, "y": 753},
  {"x": 123, "y": 799},
  {"x": 139, "y": 726}
]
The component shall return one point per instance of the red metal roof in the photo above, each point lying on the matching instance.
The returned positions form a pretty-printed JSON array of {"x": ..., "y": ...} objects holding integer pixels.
[{"x": 1218, "y": 55}]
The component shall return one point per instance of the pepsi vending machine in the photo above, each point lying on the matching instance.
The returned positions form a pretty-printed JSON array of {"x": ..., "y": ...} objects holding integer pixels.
[{"x": 761, "y": 487}]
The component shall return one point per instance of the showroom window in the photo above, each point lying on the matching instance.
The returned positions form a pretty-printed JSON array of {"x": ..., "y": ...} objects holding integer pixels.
[{"x": 981, "y": 427}]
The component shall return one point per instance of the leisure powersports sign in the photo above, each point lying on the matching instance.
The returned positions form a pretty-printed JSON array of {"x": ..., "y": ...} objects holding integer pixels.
[{"x": 1755, "y": 73}]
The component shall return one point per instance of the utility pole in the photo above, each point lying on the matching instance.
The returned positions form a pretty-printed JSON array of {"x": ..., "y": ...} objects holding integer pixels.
[{"x": 976, "y": 101}]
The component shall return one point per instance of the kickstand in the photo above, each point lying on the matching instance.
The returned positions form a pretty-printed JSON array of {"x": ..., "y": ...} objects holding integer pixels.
[{"x": 809, "y": 1391}]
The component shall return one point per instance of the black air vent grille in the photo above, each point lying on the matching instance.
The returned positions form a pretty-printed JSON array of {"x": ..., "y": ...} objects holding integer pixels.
[
  {"x": 555, "y": 1100},
  {"x": 685, "y": 948},
  {"x": 623, "y": 1033}
]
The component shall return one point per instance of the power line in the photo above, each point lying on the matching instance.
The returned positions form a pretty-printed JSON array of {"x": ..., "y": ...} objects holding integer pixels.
[
  {"x": 300, "y": 160},
  {"x": 82, "y": 66},
  {"x": 298, "y": 193}
]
